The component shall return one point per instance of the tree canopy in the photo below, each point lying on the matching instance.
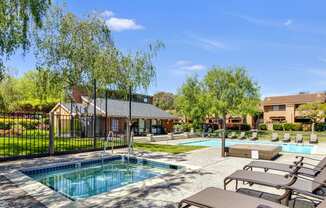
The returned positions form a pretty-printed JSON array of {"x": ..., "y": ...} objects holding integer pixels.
[
  {"x": 191, "y": 101},
  {"x": 81, "y": 50},
  {"x": 315, "y": 111},
  {"x": 164, "y": 100},
  {"x": 16, "y": 17}
]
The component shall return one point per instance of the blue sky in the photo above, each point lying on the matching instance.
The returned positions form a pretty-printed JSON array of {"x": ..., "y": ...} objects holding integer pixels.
[{"x": 281, "y": 43}]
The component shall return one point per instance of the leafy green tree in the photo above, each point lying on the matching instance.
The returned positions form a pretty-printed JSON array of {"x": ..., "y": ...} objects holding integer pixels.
[
  {"x": 230, "y": 92},
  {"x": 315, "y": 111},
  {"x": 164, "y": 100},
  {"x": 40, "y": 86},
  {"x": 191, "y": 102},
  {"x": 80, "y": 50},
  {"x": 10, "y": 96},
  {"x": 16, "y": 17}
]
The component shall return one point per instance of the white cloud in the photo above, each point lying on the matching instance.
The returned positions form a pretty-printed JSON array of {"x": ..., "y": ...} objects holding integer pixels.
[
  {"x": 119, "y": 24},
  {"x": 263, "y": 21},
  {"x": 209, "y": 43},
  {"x": 288, "y": 22},
  {"x": 186, "y": 66},
  {"x": 107, "y": 14}
]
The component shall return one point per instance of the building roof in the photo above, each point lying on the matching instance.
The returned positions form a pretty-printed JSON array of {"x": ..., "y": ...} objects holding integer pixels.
[
  {"x": 295, "y": 99},
  {"x": 119, "y": 108}
]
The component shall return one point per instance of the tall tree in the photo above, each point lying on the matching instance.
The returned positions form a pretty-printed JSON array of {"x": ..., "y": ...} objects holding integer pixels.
[
  {"x": 191, "y": 102},
  {"x": 164, "y": 100},
  {"x": 81, "y": 50},
  {"x": 315, "y": 111},
  {"x": 16, "y": 17},
  {"x": 231, "y": 92}
]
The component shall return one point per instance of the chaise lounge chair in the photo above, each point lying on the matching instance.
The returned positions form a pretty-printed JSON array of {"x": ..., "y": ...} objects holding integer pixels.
[
  {"x": 242, "y": 135},
  {"x": 217, "y": 198},
  {"x": 254, "y": 136},
  {"x": 274, "y": 137},
  {"x": 293, "y": 184},
  {"x": 307, "y": 169},
  {"x": 286, "y": 137},
  {"x": 298, "y": 138},
  {"x": 313, "y": 139}
]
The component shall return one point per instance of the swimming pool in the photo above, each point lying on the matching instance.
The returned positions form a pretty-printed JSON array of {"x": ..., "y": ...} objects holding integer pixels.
[
  {"x": 286, "y": 147},
  {"x": 92, "y": 177}
]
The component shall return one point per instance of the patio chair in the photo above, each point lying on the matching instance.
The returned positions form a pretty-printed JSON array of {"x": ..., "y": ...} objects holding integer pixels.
[
  {"x": 286, "y": 137},
  {"x": 292, "y": 184},
  {"x": 242, "y": 135},
  {"x": 217, "y": 198},
  {"x": 274, "y": 137},
  {"x": 313, "y": 139},
  {"x": 298, "y": 138},
  {"x": 307, "y": 168},
  {"x": 254, "y": 136}
]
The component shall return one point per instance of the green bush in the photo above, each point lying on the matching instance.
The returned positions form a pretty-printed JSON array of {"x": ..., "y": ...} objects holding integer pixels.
[
  {"x": 4, "y": 125},
  {"x": 320, "y": 126},
  {"x": 7, "y": 123},
  {"x": 297, "y": 127},
  {"x": 262, "y": 127},
  {"x": 287, "y": 127},
  {"x": 278, "y": 127}
]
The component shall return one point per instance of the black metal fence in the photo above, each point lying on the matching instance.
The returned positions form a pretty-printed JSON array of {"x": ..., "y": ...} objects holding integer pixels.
[{"x": 35, "y": 135}]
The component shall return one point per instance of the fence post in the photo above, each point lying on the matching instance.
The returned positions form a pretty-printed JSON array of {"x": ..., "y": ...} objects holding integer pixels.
[{"x": 51, "y": 133}]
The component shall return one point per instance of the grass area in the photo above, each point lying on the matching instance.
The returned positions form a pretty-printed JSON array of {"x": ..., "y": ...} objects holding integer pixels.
[
  {"x": 15, "y": 146},
  {"x": 173, "y": 149}
]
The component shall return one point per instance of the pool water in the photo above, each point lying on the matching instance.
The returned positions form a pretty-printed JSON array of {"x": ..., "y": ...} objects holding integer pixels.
[
  {"x": 286, "y": 147},
  {"x": 85, "y": 179}
]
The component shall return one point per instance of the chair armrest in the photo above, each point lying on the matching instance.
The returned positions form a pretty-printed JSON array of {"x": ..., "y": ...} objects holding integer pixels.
[{"x": 304, "y": 157}]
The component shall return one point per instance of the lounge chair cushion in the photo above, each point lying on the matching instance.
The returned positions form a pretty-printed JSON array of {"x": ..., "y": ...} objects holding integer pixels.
[{"x": 218, "y": 198}]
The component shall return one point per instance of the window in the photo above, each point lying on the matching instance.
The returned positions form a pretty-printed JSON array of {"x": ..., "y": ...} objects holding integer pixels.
[
  {"x": 115, "y": 125},
  {"x": 278, "y": 108}
]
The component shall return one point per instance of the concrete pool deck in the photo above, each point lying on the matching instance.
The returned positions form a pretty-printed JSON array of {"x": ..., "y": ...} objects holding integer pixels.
[{"x": 204, "y": 168}]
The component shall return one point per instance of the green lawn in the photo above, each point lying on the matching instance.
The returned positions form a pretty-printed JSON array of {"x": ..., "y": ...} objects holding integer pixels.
[
  {"x": 15, "y": 146},
  {"x": 173, "y": 149}
]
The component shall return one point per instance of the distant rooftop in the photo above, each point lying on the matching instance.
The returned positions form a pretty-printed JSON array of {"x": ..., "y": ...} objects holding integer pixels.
[{"x": 295, "y": 99}]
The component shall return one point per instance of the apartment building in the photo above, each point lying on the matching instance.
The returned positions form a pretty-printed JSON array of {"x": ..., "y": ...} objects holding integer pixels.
[{"x": 285, "y": 108}]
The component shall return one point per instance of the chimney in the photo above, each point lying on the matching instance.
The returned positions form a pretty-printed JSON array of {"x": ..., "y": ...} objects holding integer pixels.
[{"x": 77, "y": 93}]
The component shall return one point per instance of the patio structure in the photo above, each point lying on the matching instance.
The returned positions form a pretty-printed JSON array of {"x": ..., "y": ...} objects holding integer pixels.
[{"x": 146, "y": 118}]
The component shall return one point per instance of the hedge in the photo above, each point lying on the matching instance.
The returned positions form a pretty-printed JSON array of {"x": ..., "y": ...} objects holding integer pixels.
[
  {"x": 320, "y": 127},
  {"x": 287, "y": 127},
  {"x": 262, "y": 127},
  {"x": 278, "y": 127},
  {"x": 26, "y": 123}
]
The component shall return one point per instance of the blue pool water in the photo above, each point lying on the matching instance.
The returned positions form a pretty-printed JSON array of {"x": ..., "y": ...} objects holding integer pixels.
[
  {"x": 89, "y": 178},
  {"x": 286, "y": 147}
]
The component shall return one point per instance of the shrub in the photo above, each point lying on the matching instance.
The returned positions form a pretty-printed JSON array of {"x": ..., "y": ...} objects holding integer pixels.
[
  {"x": 288, "y": 127},
  {"x": 4, "y": 125},
  {"x": 297, "y": 127},
  {"x": 277, "y": 127},
  {"x": 262, "y": 127},
  {"x": 320, "y": 126}
]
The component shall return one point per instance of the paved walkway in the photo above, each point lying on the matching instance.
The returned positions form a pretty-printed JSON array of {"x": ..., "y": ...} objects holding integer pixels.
[{"x": 206, "y": 168}]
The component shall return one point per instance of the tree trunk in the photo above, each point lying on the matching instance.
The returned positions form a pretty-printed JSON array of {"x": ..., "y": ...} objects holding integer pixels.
[
  {"x": 313, "y": 127},
  {"x": 223, "y": 137}
]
